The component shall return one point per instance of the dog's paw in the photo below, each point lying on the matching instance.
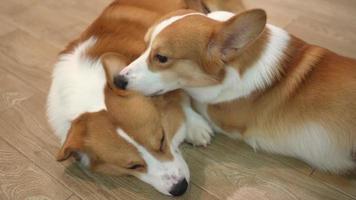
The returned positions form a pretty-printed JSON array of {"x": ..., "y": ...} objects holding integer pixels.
[{"x": 199, "y": 132}]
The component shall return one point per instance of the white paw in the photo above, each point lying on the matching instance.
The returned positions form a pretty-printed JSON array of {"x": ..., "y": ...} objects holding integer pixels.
[{"x": 199, "y": 132}]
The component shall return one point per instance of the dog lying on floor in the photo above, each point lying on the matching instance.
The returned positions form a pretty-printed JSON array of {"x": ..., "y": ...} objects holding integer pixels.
[
  {"x": 118, "y": 132},
  {"x": 255, "y": 82},
  {"x": 133, "y": 135}
]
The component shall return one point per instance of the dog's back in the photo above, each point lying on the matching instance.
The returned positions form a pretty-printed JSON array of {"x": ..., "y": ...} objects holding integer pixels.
[{"x": 123, "y": 24}]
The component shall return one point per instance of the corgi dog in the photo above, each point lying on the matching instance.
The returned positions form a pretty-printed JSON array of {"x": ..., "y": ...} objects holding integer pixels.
[
  {"x": 256, "y": 82},
  {"x": 131, "y": 135},
  {"x": 118, "y": 132}
]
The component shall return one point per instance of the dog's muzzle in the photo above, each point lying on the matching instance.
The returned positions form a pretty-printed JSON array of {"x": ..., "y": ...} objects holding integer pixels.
[{"x": 179, "y": 188}]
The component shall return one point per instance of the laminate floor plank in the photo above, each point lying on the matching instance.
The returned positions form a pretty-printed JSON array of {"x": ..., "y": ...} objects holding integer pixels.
[{"x": 21, "y": 179}]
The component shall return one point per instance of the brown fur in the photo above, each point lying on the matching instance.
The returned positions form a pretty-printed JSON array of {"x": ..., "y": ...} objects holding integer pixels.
[
  {"x": 122, "y": 26},
  {"x": 308, "y": 90},
  {"x": 202, "y": 64},
  {"x": 234, "y": 6},
  {"x": 95, "y": 133},
  {"x": 186, "y": 63},
  {"x": 299, "y": 65},
  {"x": 311, "y": 84},
  {"x": 120, "y": 30}
]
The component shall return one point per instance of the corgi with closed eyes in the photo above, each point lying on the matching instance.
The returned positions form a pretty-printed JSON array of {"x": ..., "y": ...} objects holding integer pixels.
[{"x": 118, "y": 132}]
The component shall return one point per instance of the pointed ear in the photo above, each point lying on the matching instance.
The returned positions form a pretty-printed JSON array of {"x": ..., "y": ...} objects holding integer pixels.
[
  {"x": 113, "y": 63},
  {"x": 75, "y": 139},
  {"x": 240, "y": 31}
]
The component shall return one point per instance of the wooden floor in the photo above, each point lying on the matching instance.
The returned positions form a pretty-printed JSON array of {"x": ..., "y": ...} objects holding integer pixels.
[{"x": 32, "y": 32}]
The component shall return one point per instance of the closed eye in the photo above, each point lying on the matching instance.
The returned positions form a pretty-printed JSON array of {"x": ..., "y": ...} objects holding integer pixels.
[
  {"x": 161, "y": 147},
  {"x": 136, "y": 167}
]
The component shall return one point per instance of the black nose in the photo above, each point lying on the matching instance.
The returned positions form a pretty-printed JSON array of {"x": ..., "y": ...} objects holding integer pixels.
[
  {"x": 120, "y": 81},
  {"x": 179, "y": 188}
]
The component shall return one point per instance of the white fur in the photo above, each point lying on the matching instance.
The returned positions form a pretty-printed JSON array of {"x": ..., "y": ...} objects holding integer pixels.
[
  {"x": 199, "y": 132},
  {"x": 310, "y": 142},
  {"x": 139, "y": 76},
  {"x": 162, "y": 175},
  {"x": 258, "y": 76},
  {"x": 84, "y": 159},
  {"x": 220, "y": 15},
  {"x": 164, "y": 24},
  {"x": 77, "y": 87}
]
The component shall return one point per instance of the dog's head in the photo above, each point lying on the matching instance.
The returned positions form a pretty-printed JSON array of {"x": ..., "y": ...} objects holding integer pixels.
[
  {"x": 136, "y": 136},
  {"x": 189, "y": 50}
]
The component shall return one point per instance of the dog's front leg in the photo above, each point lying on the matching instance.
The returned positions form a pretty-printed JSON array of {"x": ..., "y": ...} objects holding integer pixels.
[{"x": 198, "y": 132}]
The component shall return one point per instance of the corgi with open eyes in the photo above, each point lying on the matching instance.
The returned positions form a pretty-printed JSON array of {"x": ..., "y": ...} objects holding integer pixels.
[
  {"x": 121, "y": 132},
  {"x": 256, "y": 82}
]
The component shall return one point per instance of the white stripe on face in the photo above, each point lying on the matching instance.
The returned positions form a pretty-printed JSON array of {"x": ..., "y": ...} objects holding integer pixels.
[
  {"x": 164, "y": 24},
  {"x": 162, "y": 175},
  {"x": 139, "y": 76}
]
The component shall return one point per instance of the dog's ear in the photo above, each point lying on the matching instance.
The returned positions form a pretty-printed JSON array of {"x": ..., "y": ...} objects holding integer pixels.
[
  {"x": 212, "y": 63},
  {"x": 75, "y": 139},
  {"x": 240, "y": 31},
  {"x": 113, "y": 63},
  {"x": 197, "y": 5}
]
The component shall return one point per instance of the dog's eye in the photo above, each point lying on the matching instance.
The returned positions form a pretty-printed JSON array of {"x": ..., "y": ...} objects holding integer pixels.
[
  {"x": 135, "y": 166},
  {"x": 161, "y": 147},
  {"x": 161, "y": 59}
]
